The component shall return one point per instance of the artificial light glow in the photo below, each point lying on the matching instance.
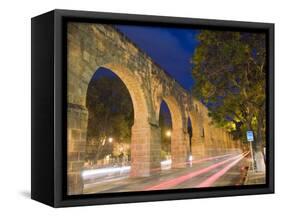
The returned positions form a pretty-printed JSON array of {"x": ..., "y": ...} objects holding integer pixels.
[
  {"x": 168, "y": 133},
  {"x": 96, "y": 173},
  {"x": 110, "y": 139},
  {"x": 190, "y": 157},
  {"x": 180, "y": 179}
]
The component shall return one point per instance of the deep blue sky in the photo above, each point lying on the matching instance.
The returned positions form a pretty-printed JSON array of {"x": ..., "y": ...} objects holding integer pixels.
[{"x": 171, "y": 48}]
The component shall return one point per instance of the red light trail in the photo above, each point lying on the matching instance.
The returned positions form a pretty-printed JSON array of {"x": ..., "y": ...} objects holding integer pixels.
[
  {"x": 170, "y": 183},
  {"x": 208, "y": 182}
]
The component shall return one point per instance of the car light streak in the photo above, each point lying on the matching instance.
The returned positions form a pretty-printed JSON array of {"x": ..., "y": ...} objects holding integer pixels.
[
  {"x": 117, "y": 171},
  {"x": 209, "y": 158},
  {"x": 180, "y": 179},
  {"x": 105, "y": 171},
  {"x": 208, "y": 182}
]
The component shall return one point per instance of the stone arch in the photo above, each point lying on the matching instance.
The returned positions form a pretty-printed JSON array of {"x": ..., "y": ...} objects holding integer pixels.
[
  {"x": 178, "y": 145},
  {"x": 176, "y": 114},
  {"x": 143, "y": 158},
  {"x": 87, "y": 51},
  {"x": 141, "y": 111},
  {"x": 208, "y": 140},
  {"x": 145, "y": 139},
  {"x": 198, "y": 148}
]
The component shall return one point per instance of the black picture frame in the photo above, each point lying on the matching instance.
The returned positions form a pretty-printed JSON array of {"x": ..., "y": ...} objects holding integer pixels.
[{"x": 48, "y": 148}]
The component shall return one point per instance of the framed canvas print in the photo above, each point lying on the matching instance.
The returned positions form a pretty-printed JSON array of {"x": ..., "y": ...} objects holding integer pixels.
[{"x": 133, "y": 108}]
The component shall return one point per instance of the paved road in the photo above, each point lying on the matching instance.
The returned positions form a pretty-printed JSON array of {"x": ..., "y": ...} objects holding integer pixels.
[{"x": 222, "y": 170}]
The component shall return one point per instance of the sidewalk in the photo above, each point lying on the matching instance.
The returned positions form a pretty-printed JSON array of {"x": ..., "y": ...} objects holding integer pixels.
[{"x": 255, "y": 178}]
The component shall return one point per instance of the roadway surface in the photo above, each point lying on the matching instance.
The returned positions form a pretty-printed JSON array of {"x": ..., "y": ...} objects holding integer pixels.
[{"x": 221, "y": 170}]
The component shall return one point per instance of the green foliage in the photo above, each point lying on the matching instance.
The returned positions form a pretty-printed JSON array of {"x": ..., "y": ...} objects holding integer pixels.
[
  {"x": 229, "y": 73},
  {"x": 110, "y": 115}
]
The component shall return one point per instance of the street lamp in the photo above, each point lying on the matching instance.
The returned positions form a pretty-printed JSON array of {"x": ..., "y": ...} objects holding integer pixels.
[
  {"x": 168, "y": 133},
  {"x": 110, "y": 139},
  {"x": 189, "y": 131}
]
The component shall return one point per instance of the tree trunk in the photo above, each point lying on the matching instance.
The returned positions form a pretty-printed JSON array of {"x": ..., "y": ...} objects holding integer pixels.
[{"x": 258, "y": 148}]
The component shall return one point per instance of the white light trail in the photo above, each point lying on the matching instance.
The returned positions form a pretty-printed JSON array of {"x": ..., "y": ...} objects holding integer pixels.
[
  {"x": 111, "y": 171},
  {"x": 104, "y": 171}
]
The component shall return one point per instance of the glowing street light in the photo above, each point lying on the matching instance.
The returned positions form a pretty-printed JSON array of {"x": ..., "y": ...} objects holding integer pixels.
[
  {"x": 110, "y": 139},
  {"x": 190, "y": 160},
  {"x": 168, "y": 133}
]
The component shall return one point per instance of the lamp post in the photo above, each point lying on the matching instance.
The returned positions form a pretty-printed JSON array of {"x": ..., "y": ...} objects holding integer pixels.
[
  {"x": 250, "y": 138},
  {"x": 189, "y": 131}
]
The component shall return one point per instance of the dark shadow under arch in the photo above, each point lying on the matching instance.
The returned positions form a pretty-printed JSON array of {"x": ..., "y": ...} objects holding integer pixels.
[
  {"x": 178, "y": 146},
  {"x": 165, "y": 124},
  {"x": 110, "y": 116}
]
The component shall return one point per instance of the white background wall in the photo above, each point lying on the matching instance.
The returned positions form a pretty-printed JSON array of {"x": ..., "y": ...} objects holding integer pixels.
[{"x": 15, "y": 106}]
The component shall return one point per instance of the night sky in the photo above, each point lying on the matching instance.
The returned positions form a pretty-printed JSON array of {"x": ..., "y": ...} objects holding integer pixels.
[{"x": 171, "y": 48}]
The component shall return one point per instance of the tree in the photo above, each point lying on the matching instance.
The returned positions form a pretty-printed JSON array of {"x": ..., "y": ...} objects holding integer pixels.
[
  {"x": 110, "y": 115},
  {"x": 229, "y": 73}
]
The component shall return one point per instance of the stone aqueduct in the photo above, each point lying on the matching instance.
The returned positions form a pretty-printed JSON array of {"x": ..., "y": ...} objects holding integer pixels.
[{"x": 91, "y": 46}]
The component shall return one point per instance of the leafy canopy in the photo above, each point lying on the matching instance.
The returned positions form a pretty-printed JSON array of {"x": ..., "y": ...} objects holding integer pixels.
[{"x": 229, "y": 73}]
